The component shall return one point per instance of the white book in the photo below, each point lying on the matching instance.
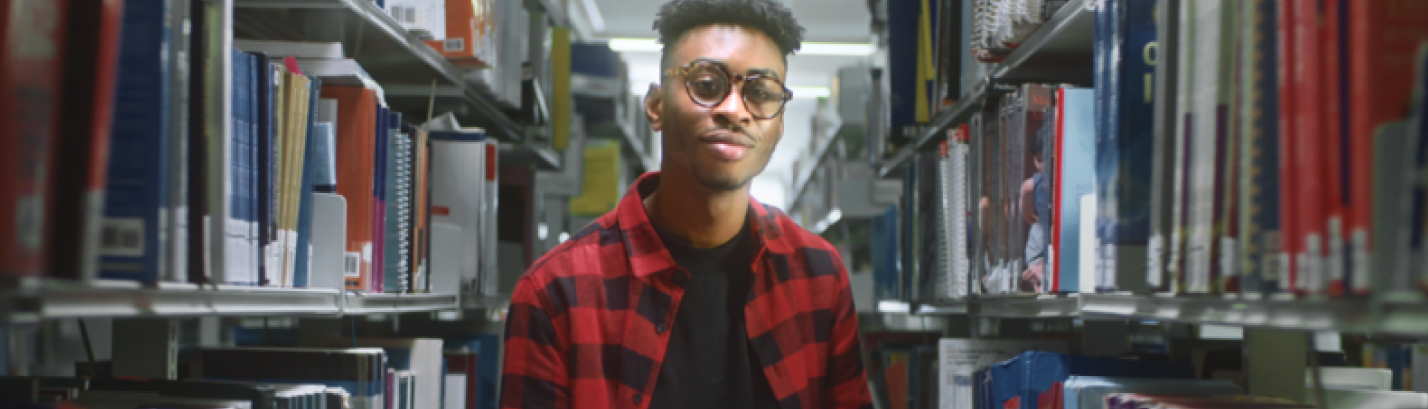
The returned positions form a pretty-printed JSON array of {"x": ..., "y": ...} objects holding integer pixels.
[
  {"x": 1086, "y": 282},
  {"x": 489, "y": 269},
  {"x": 457, "y": 199},
  {"x": 329, "y": 241},
  {"x": 1203, "y": 178},
  {"x": 446, "y": 249},
  {"x": 1185, "y": 76},
  {"x": 455, "y": 397}
]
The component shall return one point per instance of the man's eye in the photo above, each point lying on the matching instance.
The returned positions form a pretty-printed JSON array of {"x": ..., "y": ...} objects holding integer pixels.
[
  {"x": 704, "y": 85},
  {"x": 762, "y": 95}
]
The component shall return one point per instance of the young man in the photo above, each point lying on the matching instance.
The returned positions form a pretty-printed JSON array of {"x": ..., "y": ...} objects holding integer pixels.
[{"x": 690, "y": 294}]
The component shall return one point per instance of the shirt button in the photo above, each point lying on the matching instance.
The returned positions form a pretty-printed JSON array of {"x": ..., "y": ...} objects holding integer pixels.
[
  {"x": 639, "y": 398},
  {"x": 659, "y": 329}
]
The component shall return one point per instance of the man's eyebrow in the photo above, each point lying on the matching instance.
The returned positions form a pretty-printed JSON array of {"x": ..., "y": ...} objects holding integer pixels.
[{"x": 764, "y": 72}]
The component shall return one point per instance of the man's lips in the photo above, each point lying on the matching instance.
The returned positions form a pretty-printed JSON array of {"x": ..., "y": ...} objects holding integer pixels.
[{"x": 727, "y": 137}]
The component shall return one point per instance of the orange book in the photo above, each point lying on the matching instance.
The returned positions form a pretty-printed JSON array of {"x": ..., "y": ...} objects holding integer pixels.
[
  {"x": 419, "y": 230},
  {"x": 1382, "y": 42},
  {"x": 467, "y": 33},
  {"x": 356, "y": 138}
]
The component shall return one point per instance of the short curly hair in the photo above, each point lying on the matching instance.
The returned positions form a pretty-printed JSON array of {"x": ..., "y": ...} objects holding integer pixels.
[{"x": 775, "y": 20}]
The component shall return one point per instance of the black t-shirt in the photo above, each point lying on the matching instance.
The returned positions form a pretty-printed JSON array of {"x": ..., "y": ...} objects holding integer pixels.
[{"x": 708, "y": 363}]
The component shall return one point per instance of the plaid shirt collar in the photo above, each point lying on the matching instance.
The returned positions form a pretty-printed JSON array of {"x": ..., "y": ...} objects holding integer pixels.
[{"x": 641, "y": 237}]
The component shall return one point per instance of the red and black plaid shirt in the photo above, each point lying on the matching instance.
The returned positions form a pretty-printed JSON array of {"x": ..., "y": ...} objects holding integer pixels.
[{"x": 588, "y": 323}]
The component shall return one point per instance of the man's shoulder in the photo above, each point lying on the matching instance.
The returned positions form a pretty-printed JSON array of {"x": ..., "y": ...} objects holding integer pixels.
[{"x": 790, "y": 233}]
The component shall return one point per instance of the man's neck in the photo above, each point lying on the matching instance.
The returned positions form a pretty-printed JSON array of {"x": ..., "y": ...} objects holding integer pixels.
[{"x": 704, "y": 217}]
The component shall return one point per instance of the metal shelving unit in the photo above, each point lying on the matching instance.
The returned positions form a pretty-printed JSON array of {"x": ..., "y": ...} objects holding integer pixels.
[
  {"x": 801, "y": 181},
  {"x": 355, "y": 303},
  {"x": 398, "y": 60},
  {"x": 1405, "y": 317},
  {"x": 590, "y": 86},
  {"x": 35, "y": 300},
  {"x": 1060, "y": 51},
  {"x": 955, "y": 115}
]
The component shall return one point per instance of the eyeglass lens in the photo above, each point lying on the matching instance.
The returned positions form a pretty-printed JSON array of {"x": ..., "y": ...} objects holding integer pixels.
[{"x": 709, "y": 85}]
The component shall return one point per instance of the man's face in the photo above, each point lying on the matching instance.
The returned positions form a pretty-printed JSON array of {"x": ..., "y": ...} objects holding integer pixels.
[{"x": 723, "y": 146}]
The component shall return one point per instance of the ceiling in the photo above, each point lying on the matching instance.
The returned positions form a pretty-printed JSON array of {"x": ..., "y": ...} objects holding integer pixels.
[{"x": 842, "y": 21}]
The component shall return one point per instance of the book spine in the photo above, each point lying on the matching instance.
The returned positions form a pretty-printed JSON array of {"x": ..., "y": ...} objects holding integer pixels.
[
  {"x": 1226, "y": 240},
  {"x": 1259, "y": 197},
  {"x": 1163, "y": 131},
  {"x": 224, "y": 231},
  {"x": 379, "y": 199},
  {"x": 1383, "y": 37},
  {"x": 1309, "y": 134},
  {"x": 30, "y": 86},
  {"x": 1335, "y": 149},
  {"x": 1135, "y": 143},
  {"x": 177, "y": 263},
  {"x": 79, "y": 160},
  {"x": 1289, "y": 153},
  {"x": 1184, "y": 156},
  {"x": 492, "y": 187},
  {"x": 1418, "y": 203},
  {"x": 132, "y": 236},
  {"x": 1202, "y": 179},
  {"x": 392, "y": 280},
  {"x": 302, "y": 271},
  {"x": 237, "y": 228},
  {"x": 1106, "y": 130}
]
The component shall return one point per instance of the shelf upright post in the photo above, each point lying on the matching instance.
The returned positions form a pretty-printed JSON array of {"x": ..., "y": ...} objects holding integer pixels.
[
  {"x": 1275, "y": 362},
  {"x": 146, "y": 348}
]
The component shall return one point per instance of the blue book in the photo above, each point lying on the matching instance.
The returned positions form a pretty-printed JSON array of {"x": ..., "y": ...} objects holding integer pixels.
[
  {"x": 255, "y": 182},
  {"x": 1125, "y": 141},
  {"x": 884, "y": 254},
  {"x": 137, "y": 189},
  {"x": 1075, "y": 171},
  {"x": 242, "y": 170},
  {"x": 302, "y": 271},
  {"x": 1089, "y": 392},
  {"x": 325, "y": 176},
  {"x": 379, "y": 185},
  {"x": 1036, "y": 376},
  {"x": 264, "y": 114},
  {"x": 1259, "y": 226}
]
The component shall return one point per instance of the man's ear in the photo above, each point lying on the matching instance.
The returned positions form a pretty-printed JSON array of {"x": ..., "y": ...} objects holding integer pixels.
[{"x": 654, "y": 106}]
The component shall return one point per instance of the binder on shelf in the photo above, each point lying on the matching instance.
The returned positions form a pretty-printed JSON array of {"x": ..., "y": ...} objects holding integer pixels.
[
  {"x": 1073, "y": 170},
  {"x": 356, "y": 140},
  {"x": 457, "y": 201}
]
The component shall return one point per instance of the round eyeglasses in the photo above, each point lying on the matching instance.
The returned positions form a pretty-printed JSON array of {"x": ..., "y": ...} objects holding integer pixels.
[{"x": 709, "y": 82}]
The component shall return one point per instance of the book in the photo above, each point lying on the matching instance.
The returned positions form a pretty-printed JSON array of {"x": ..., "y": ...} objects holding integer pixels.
[
  {"x": 1289, "y": 154},
  {"x": 1166, "y": 97},
  {"x": 455, "y": 155},
  {"x": 226, "y": 234},
  {"x": 356, "y": 137},
  {"x": 420, "y": 357},
  {"x": 1214, "y": 22},
  {"x": 1340, "y": 278},
  {"x": 80, "y": 158},
  {"x": 1089, "y": 392},
  {"x": 329, "y": 242},
  {"x": 1382, "y": 42},
  {"x": 961, "y": 358},
  {"x": 136, "y": 201},
  {"x": 490, "y": 278},
  {"x": 307, "y": 176},
  {"x": 1184, "y": 115},
  {"x": 462, "y": 374},
  {"x": 1259, "y": 146},
  {"x": 361, "y": 371},
  {"x": 1074, "y": 174},
  {"x": 1311, "y": 209},
  {"x": 29, "y": 99},
  {"x": 1035, "y": 376},
  {"x": 1124, "y": 146}
]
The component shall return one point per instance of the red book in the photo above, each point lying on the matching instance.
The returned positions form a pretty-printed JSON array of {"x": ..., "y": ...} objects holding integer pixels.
[
  {"x": 465, "y": 362},
  {"x": 79, "y": 162},
  {"x": 1058, "y": 152},
  {"x": 356, "y": 134},
  {"x": 31, "y": 47},
  {"x": 1309, "y": 146},
  {"x": 1334, "y": 147},
  {"x": 1383, "y": 37},
  {"x": 1288, "y": 155}
]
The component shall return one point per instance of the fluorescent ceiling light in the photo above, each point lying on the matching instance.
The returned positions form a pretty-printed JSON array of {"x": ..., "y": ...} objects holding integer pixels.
[
  {"x": 802, "y": 92},
  {"x": 637, "y": 45}
]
